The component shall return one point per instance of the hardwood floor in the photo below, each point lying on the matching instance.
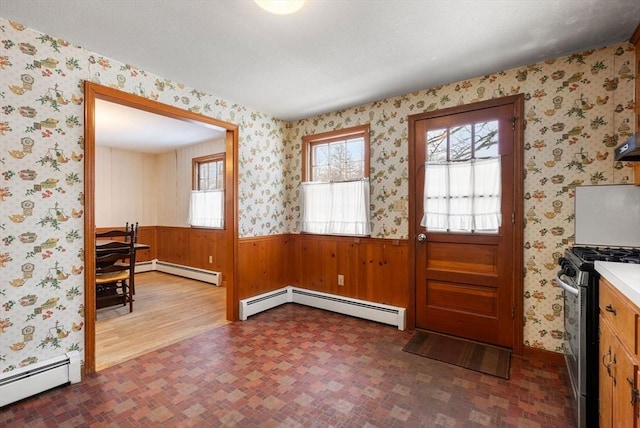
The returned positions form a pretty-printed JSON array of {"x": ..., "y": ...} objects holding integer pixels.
[{"x": 166, "y": 310}]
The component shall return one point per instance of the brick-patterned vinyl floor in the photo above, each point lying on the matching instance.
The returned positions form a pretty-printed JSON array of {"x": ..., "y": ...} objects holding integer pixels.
[{"x": 295, "y": 366}]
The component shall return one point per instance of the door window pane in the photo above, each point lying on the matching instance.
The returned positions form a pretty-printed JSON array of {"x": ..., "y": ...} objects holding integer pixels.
[
  {"x": 462, "y": 179},
  {"x": 460, "y": 143},
  {"x": 486, "y": 139},
  {"x": 437, "y": 145}
]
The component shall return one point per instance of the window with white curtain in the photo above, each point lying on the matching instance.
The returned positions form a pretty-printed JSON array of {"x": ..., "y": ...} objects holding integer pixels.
[
  {"x": 334, "y": 198},
  {"x": 206, "y": 208},
  {"x": 335, "y": 208},
  {"x": 462, "y": 196},
  {"x": 462, "y": 184},
  {"x": 206, "y": 204}
]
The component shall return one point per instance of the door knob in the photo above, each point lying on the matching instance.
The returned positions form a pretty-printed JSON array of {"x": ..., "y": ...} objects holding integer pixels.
[{"x": 421, "y": 237}]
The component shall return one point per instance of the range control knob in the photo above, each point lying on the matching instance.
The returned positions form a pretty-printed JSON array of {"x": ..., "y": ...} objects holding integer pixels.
[{"x": 567, "y": 267}]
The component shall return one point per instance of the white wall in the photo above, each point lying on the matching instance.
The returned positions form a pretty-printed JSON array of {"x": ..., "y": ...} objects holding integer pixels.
[{"x": 152, "y": 189}]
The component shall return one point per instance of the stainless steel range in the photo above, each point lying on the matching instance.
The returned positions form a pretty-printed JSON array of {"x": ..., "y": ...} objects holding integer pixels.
[{"x": 606, "y": 229}]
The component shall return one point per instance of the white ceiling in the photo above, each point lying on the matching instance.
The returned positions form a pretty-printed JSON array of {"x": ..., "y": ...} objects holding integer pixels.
[
  {"x": 127, "y": 128},
  {"x": 332, "y": 54}
]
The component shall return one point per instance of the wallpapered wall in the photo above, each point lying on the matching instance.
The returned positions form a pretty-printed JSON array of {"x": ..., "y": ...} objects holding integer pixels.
[
  {"x": 41, "y": 187},
  {"x": 578, "y": 108}
]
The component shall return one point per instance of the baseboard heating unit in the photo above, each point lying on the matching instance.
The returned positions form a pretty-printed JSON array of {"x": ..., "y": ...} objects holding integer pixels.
[
  {"x": 35, "y": 378},
  {"x": 209, "y": 276},
  {"x": 146, "y": 266},
  {"x": 379, "y": 312}
]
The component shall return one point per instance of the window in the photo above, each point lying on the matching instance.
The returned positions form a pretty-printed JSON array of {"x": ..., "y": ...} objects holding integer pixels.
[
  {"x": 208, "y": 172},
  {"x": 462, "y": 189},
  {"x": 206, "y": 208},
  {"x": 335, "y": 193}
]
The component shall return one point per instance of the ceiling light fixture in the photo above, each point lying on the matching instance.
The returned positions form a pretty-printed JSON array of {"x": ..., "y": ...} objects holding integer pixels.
[{"x": 281, "y": 7}]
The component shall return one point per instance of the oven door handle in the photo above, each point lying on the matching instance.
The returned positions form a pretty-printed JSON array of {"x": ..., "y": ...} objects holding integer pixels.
[{"x": 568, "y": 288}]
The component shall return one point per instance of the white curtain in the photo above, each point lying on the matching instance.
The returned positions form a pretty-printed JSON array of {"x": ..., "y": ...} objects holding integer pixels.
[
  {"x": 206, "y": 208},
  {"x": 335, "y": 208},
  {"x": 462, "y": 196}
]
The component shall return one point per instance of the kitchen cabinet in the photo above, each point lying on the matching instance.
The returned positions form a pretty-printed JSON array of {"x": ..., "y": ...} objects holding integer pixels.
[{"x": 618, "y": 391}]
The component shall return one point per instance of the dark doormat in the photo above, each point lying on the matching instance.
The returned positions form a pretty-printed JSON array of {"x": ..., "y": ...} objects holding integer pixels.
[{"x": 483, "y": 358}]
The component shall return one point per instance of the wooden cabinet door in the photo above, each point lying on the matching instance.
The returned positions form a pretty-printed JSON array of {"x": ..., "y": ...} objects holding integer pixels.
[
  {"x": 624, "y": 386},
  {"x": 637, "y": 409},
  {"x": 606, "y": 381}
]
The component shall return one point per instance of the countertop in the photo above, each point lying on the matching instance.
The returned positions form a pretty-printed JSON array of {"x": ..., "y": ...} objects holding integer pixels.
[{"x": 624, "y": 276}]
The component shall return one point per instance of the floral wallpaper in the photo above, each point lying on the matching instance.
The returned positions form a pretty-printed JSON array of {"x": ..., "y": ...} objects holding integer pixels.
[
  {"x": 578, "y": 108},
  {"x": 42, "y": 183}
]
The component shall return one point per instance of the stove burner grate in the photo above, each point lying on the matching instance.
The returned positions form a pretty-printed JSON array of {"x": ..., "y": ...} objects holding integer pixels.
[{"x": 619, "y": 255}]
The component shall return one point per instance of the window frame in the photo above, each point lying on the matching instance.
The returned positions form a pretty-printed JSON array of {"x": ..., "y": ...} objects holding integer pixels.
[
  {"x": 195, "y": 183},
  {"x": 449, "y": 144},
  {"x": 308, "y": 141},
  {"x": 195, "y": 169}
]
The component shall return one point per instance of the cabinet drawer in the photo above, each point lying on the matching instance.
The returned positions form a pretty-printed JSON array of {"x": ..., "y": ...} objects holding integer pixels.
[{"x": 621, "y": 315}]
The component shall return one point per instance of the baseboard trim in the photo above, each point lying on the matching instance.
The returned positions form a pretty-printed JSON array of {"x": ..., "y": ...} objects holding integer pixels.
[
  {"x": 543, "y": 355},
  {"x": 203, "y": 275},
  {"x": 373, "y": 311}
]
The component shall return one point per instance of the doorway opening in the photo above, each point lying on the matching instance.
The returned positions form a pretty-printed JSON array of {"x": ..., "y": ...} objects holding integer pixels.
[{"x": 95, "y": 92}]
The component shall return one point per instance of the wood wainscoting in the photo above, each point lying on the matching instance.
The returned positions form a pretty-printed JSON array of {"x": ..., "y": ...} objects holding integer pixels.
[
  {"x": 264, "y": 264},
  {"x": 193, "y": 247},
  {"x": 184, "y": 246},
  {"x": 146, "y": 235},
  {"x": 375, "y": 270}
]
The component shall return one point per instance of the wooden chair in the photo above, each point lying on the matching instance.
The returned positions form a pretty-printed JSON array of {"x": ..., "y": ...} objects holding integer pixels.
[
  {"x": 135, "y": 230},
  {"x": 115, "y": 267},
  {"x": 134, "y": 226}
]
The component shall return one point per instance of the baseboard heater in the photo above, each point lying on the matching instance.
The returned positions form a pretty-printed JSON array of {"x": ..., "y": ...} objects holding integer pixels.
[
  {"x": 209, "y": 276},
  {"x": 36, "y": 378},
  {"x": 379, "y": 312},
  {"x": 146, "y": 266}
]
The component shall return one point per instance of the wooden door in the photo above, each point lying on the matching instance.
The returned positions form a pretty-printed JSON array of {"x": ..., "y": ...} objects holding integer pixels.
[{"x": 468, "y": 281}]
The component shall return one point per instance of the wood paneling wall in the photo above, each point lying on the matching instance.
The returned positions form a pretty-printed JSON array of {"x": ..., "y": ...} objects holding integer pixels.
[
  {"x": 376, "y": 270},
  {"x": 265, "y": 263},
  {"x": 125, "y": 187},
  {"x": 192, "y": 247},
  {"x": 185, "y": 246},
  {"x": 146, "y": 235}
]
